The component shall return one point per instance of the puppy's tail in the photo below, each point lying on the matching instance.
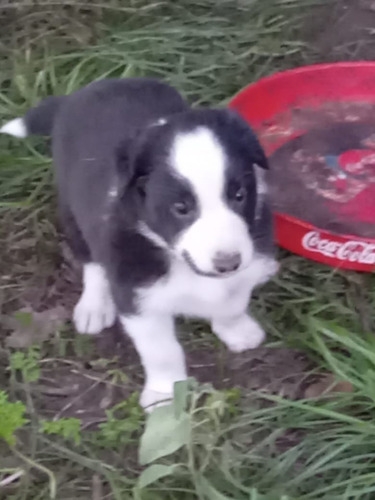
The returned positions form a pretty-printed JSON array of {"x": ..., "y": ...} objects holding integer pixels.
[{"x": 37, "y": 121}]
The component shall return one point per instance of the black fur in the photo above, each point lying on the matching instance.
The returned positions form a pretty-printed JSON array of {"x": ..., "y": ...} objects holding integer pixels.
[{"x": 106, "y": 136}]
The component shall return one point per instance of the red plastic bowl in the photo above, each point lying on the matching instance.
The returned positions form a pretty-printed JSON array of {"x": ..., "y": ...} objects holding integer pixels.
[{"x": 311, "y": 86}]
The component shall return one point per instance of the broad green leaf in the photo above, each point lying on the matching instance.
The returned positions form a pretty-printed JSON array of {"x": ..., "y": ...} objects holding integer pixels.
[
  {"x": 181, "y": 392},
  {"x": 155, "y": 472},
  {"x": 165, "y": 433}
]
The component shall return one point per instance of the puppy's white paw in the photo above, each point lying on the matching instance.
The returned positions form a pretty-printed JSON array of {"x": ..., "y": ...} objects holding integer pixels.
[
  {"x": 240, "y": 335},
  {"x": 94, "y": 314},
  {"x": 269, "y": 269},
  {"x": 274, "y": 268},
  {"x": 250, "y": 339},
  {"x": 151, "y": 399}
]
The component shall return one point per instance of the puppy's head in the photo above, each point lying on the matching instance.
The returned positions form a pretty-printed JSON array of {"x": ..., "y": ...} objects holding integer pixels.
[{"x": 196, "y": 184}]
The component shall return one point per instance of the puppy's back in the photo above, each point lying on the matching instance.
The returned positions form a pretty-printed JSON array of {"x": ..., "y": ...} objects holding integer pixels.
[{"x": 93, "y": 120}]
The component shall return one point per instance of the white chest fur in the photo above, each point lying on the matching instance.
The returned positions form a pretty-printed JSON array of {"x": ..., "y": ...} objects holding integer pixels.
[
  {"x": 186, "y": 293},
  {"x": 222, "y": 301}
]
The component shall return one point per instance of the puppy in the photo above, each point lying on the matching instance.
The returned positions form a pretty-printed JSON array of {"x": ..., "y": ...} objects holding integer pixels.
[{"x": 166, "y": 208}]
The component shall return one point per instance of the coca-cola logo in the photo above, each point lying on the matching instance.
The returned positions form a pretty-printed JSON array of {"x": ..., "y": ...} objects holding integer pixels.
[{"x": 351, "y": 251}]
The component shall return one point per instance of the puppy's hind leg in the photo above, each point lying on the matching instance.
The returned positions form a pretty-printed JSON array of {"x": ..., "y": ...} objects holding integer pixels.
[{"x": 95, "y": 309}]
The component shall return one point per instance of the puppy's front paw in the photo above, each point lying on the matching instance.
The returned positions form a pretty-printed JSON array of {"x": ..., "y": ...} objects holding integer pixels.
[
  {"x": 251, "y": 338},
  {"x": 151, "y": 399},
  {"x": 94, "y": 314},
  {"x": 269, "y": 269},
  {"x": 241, "y": 334},
  {"x": 274, "y": 268}
]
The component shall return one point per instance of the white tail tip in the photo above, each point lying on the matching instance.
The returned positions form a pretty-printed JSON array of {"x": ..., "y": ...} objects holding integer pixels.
[{"x": 16, "y": 127}]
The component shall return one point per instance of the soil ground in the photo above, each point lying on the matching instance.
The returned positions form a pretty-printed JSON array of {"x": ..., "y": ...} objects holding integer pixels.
[{"x": 342, "y": 30}]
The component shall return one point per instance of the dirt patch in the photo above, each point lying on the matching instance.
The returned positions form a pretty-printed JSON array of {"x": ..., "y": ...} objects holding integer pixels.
[
  {"x": 62, "y": 25},
  {"x": 81, "y": 392},
  {"x": 280, "y": 371},
  {"x": 341, "y": 30},
  {"x": 86, "y": 391}
]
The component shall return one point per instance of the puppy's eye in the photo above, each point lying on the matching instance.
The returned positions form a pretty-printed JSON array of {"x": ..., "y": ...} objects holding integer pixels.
[
  {"x": 240, "y": 195},
  {"x": 182, "y": 209}
]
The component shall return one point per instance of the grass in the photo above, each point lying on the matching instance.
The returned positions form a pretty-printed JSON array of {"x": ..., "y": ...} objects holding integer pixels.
[{"x": 225, "y": 444}]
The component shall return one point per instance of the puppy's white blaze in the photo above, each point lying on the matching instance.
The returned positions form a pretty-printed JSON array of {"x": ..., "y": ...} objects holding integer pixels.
[
  {"x": 198, "y": 157},
  {"x": 16, "y": 127}
]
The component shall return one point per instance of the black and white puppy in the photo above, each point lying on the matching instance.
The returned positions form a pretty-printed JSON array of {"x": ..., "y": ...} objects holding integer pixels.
[{"x": 166, "y": 208}]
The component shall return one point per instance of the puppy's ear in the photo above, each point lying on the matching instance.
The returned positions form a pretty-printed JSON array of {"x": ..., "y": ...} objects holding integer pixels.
[
  {"x": 124, "y": 160},
  {"x": 247, "y": 141},
  {"x": 133, "y": 161},
  {"x": 259, "y": 155},
  {"x": 127, "y": 162}
]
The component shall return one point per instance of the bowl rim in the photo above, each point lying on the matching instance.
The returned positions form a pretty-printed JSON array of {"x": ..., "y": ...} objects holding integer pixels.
[{"x": 352, "y": 251}]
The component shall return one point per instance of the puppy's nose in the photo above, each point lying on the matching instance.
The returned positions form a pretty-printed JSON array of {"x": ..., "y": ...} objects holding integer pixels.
[{"x": 226, "y": 262}]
